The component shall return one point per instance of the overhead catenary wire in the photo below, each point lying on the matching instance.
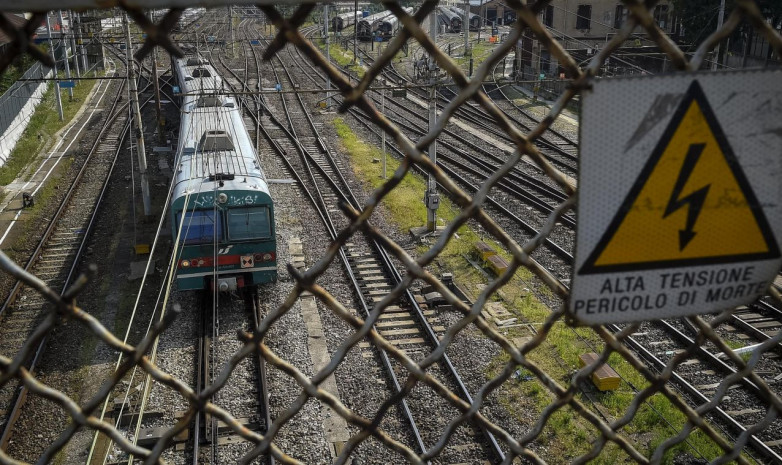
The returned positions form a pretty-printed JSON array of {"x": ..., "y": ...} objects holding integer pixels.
[
  {"x": 216, "y": 232},
  {"x": 138, "y": 300}
]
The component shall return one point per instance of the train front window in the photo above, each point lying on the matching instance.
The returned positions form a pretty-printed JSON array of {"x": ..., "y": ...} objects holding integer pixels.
[
  {"x": 199, "y": 227},
  {"x": 249, "y": 223}
]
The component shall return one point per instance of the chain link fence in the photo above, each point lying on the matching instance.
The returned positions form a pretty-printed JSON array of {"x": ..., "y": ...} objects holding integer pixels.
[{"x": 563, "y": 393}]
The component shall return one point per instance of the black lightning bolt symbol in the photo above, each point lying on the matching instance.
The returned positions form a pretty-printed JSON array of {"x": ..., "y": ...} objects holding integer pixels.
[{"x": 694, "y": 201}]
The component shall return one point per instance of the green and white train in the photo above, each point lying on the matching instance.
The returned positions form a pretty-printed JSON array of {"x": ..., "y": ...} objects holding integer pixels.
[{"x": 221, "y": 213}]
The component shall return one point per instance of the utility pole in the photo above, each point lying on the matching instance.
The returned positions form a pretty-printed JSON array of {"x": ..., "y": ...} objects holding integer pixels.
[
  {"x": 64, "y": 44},
  {"x": 72, "y": 23},
  {"x": 355, "y": 34},
  {"x": 480, "y": 20},
  {"x": 432, "y": 200},
  {"x": 383, "y": 111},
  {"x": 142, "y": 156},
  {"x": 158, "y": 112},
  {"x": 720, "y": 20},
  {"x": 466, "y": 26},
  {"x": 328, "y": 49},
  {"x": 231, "y": 23},
  {"x": 82, "y": 55},
  {"x": 54, "y": 59}
]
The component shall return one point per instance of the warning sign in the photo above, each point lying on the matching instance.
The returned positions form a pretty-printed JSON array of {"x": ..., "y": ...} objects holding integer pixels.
[{"x": 679, "y": 208}]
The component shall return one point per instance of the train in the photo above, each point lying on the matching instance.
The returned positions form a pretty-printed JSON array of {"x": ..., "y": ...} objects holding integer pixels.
[
  {"x": 366, "y": 25},
  {"x": 453, "y": 22},
  {"x": 380, "y": 26},
  {"x": 221, "y": 211},
  {"x": 344, "y": 20},
  {"x": 474, "y": 20},
  {"x": 385, "y": 28}
]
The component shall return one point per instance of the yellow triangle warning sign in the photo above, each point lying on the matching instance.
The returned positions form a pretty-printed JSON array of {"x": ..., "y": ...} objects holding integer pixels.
[{"x": 690, "y": 205}]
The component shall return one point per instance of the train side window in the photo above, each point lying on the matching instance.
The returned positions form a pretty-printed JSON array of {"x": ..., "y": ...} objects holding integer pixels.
[
  {"x": 248, "y": 223},
  {"x": 199, "y": 227}
]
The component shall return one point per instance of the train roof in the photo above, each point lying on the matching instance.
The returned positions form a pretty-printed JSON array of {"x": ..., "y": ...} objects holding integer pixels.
[
  {"x": 349, "y": 14},
  {"x": 214, "y": 148},
  {"x": 387, "y": 17},
  {"x": 448, "y": 13},
  {"x": 376, "y": 17},
  {"x": 198, "y": 75},
  {"x": 390, "y": 19}
]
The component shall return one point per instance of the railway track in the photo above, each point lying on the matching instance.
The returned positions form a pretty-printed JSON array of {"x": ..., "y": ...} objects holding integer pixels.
[
  {"x": 689, "y": 380},
  {"x": 554, "y": 145},
  {"x": 407, "y": 325},
  {"x": 469, "y": 163},
  {"x": 56, "y": 259},
  {"x": 211, "y": 437},
  {"x": 477, "y": 119}
]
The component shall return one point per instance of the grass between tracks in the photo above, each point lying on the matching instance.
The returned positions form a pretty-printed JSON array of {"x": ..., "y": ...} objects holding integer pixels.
[
  {"x": 341, "y": 56},
  {"x": 479, "y": 51},
  {"x": 407, "y": 210},
  {"x": 45, "y": 122},
  {"x": 566, "y": 434}
]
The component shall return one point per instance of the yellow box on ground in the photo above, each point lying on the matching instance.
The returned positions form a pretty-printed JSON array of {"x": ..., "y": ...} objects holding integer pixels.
[{"x": 605, "y": 378}]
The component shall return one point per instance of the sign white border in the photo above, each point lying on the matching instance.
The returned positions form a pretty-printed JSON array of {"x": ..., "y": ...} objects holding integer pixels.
[{"x": 622, "y": 121}]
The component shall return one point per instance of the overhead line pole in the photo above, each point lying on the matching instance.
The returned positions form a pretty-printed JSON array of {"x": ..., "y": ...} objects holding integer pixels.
[
  {"x": 328, "y": 48},
  {"x": 158, "y": 111},
  {"x": 64, "y": 44},
  {"x": 82, "y": 54},
  {"x": 141, "y": 150},
  {"x": 466, "y": 26},
  {"x": 72, "y": 23},
  {"x": 231, "y": 23},
  {"x": 57, "y": 95},
  {"x": 432, "y": 200},
  {"x": 85, "y": 52},
  {"x": 720, "y": 20},
  {"x": 355, "y": 34}
]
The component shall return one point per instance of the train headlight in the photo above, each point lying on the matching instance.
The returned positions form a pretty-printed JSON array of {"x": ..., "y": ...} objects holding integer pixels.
[
  {"x": 222, "y": 197},
  {"x": 185, "y": 263},
  {"x": 267, "y": 257}
]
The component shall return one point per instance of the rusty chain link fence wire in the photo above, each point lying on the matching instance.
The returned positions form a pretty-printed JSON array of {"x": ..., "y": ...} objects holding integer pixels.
[{"x": 563, "y": 394}]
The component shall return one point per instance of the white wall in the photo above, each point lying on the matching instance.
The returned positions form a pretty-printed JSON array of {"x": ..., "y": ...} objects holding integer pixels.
[{"x": 14, "y": 132}]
